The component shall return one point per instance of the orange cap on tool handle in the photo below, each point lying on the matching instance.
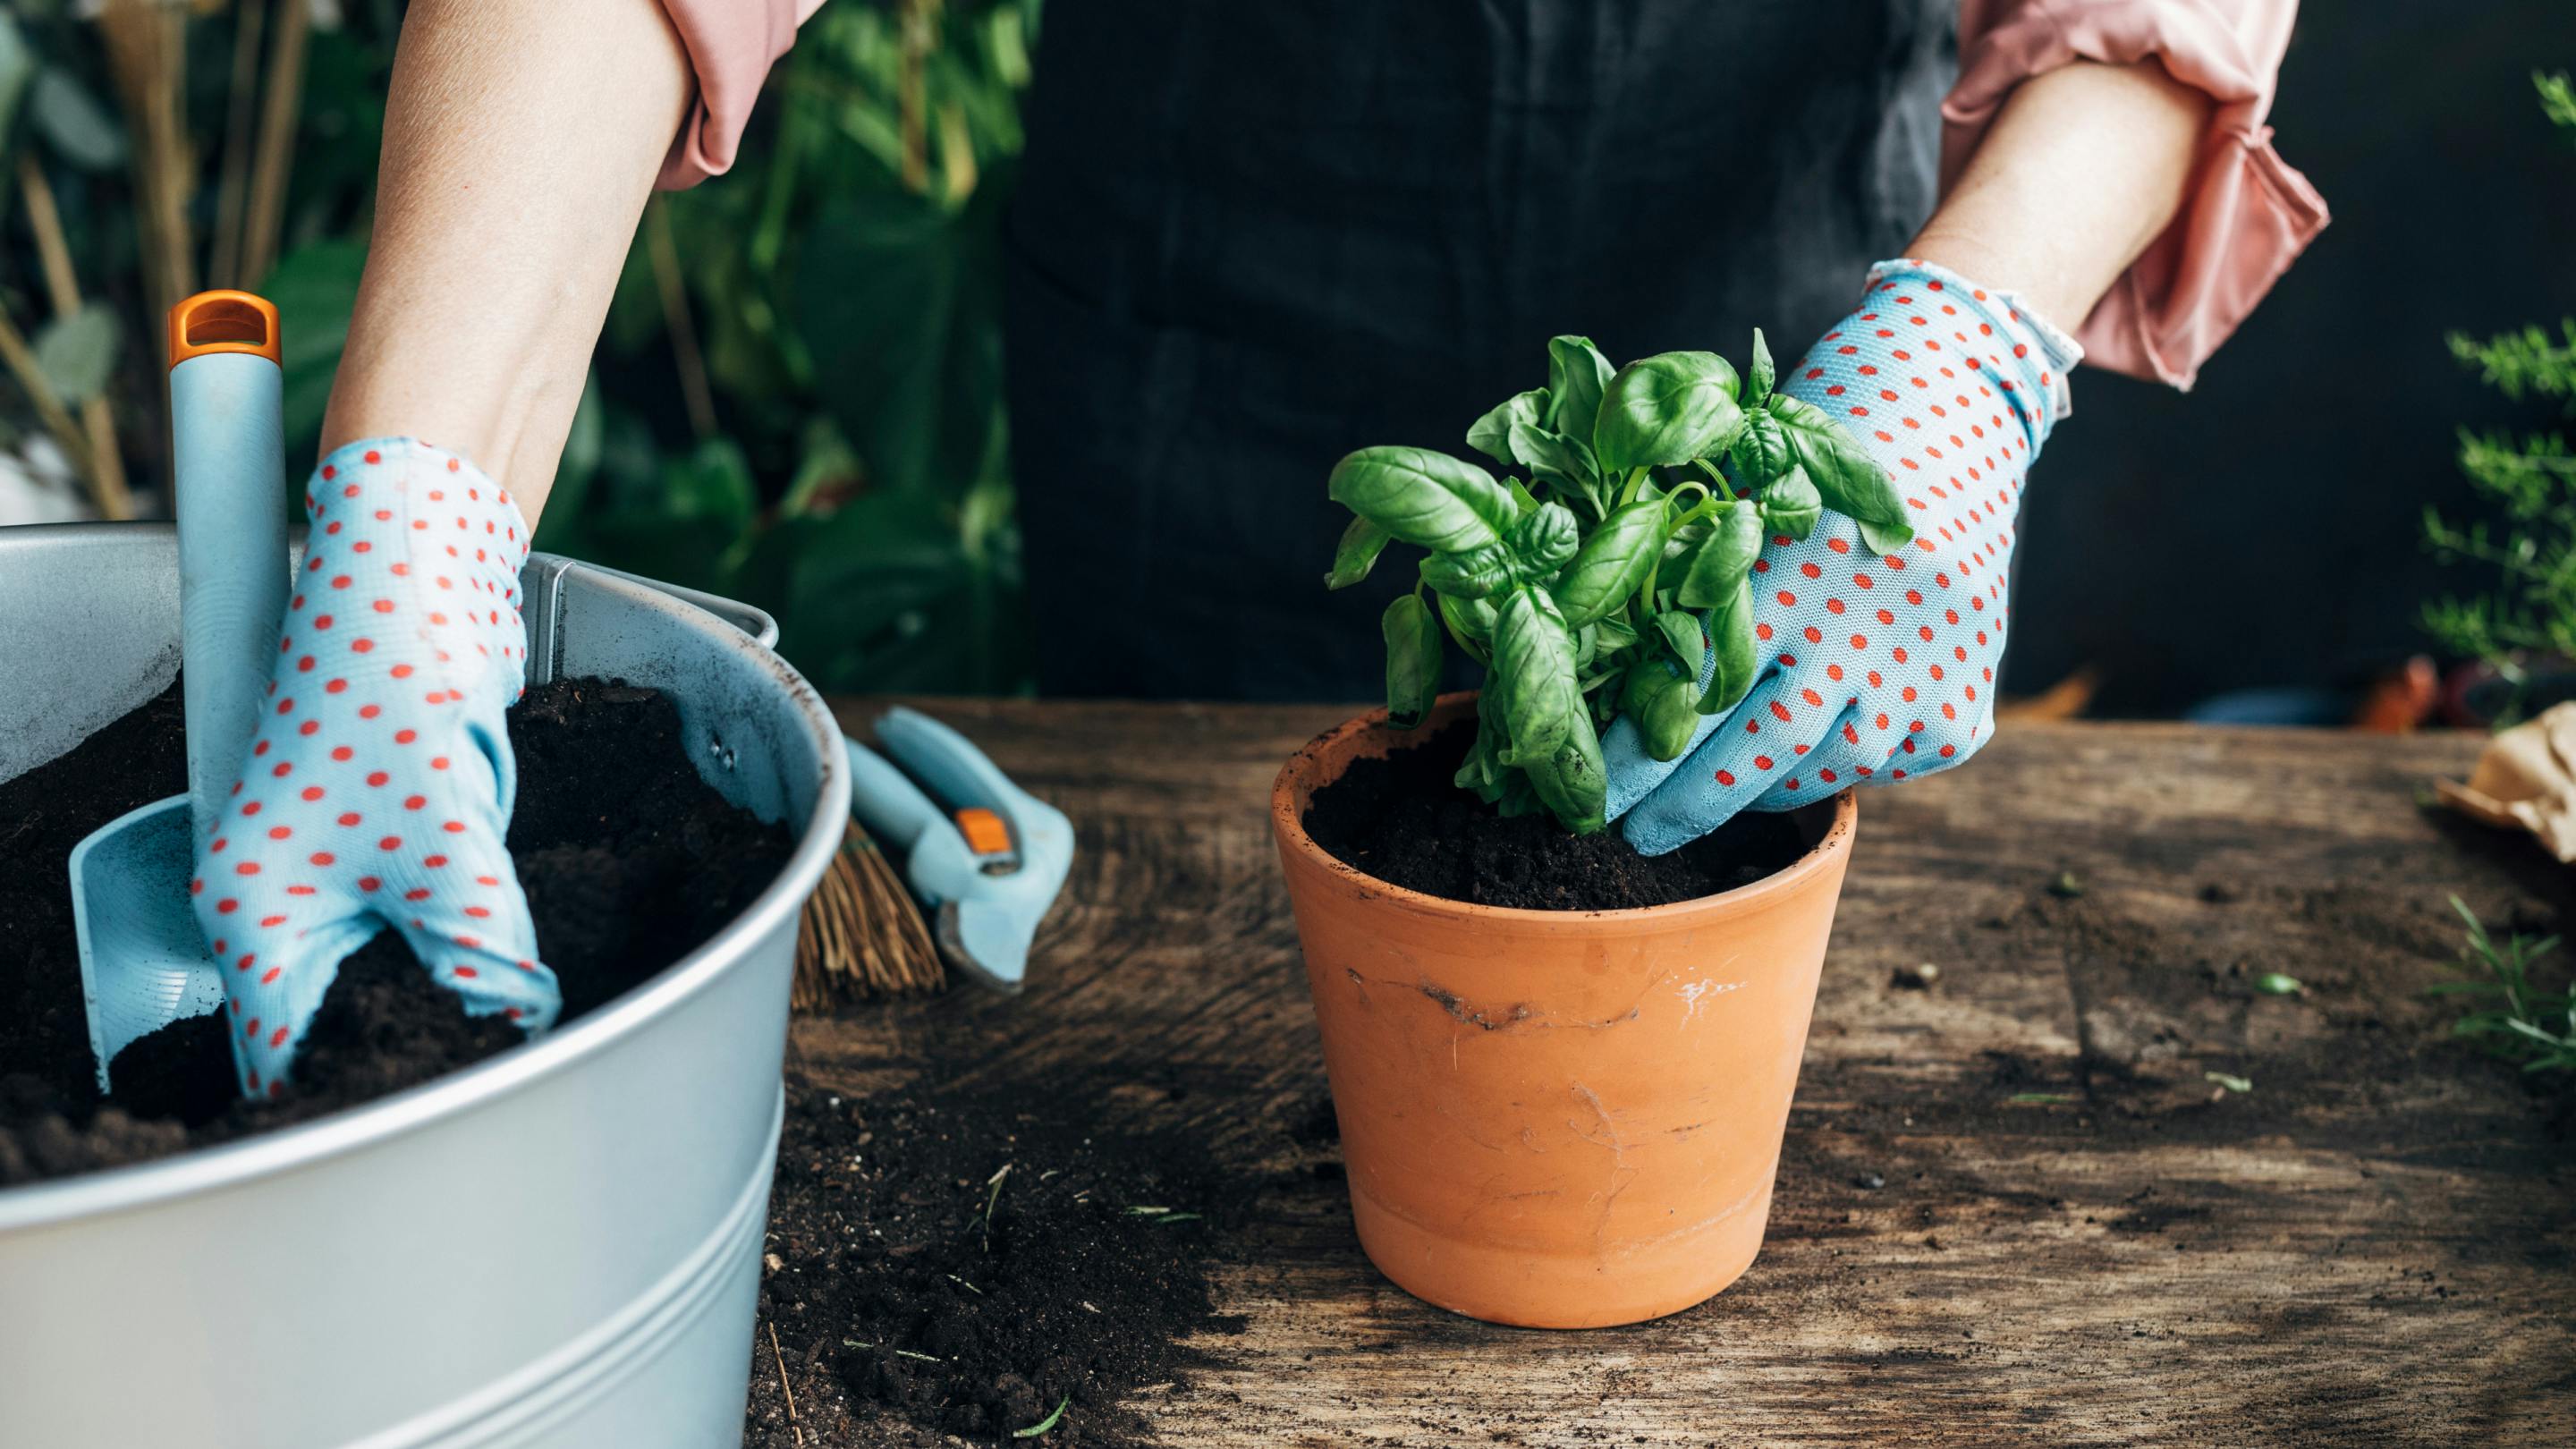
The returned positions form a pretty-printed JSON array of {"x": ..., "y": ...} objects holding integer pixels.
[
  {"x": 984, "y": 831},
  {"x": 223, "y": 321}
]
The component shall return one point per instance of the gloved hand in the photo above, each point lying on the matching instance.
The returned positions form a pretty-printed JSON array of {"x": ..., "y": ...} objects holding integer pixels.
[
  {"x": 377, "y": 790},
  {"x": 1872, "y": 670}
]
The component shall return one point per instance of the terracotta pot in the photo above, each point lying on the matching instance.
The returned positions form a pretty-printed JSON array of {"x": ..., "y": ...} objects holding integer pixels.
[{"x": 1559, "y": 1119}]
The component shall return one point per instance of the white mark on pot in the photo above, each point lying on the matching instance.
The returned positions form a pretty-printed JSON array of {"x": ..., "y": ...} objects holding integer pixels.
[
  {"x": 720, "y": 752},
  {"x": 1696, "y": 994},
  {"x": 1361, "y": 983}
]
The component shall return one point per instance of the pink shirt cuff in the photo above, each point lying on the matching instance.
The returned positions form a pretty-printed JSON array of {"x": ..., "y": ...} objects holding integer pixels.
[
  {"x": 2245, "y": 215},
  {"x": 731, "y": 45}
]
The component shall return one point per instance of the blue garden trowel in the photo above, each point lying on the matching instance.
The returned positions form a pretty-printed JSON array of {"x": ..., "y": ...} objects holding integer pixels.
[
  {"x": 144, "y": 963},
  {"x": 985, "y": 858}
]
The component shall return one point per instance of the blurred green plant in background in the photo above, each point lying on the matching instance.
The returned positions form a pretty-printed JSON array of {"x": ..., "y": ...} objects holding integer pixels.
[
  {"x": 2530, "y": 617},
  {"x": 798, "y": 398}
]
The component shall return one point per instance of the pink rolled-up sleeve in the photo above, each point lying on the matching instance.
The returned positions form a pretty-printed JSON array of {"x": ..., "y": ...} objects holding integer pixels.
[
  {"x": 2245, "y": 214},
  {"x": 731, "y": 45}
]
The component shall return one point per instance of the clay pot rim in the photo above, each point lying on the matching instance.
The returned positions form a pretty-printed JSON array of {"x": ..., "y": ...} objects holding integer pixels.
[{"x": 1725, "y": 905}]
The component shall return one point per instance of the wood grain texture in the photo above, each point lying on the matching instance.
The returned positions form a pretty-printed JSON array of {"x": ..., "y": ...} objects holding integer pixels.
[{"x": 2373, "y": 1246}]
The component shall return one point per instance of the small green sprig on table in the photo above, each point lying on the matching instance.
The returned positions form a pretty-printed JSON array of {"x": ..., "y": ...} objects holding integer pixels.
[
  {"x": 2523, "y": 1022},
  {"x": 1610, "y": 571}
]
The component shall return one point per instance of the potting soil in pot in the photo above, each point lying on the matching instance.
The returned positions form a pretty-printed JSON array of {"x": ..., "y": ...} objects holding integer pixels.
[
  {"x": 628, "y": 858},
  {"x": 1404, "y": 820}
]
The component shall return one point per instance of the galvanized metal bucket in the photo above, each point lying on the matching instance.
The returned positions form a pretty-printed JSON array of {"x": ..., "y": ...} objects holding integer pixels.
[{"x": 340, "y": 1282}]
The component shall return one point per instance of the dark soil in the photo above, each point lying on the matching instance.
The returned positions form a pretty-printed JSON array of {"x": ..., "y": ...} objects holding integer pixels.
[
  {"x": 629, "y": 861},
  {"x": 959, "y": 1259},
  {"x": 1405, "y": 821}
]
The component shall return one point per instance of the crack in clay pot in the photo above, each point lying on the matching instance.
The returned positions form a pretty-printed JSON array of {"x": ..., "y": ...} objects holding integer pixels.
[
  {"x": 1521, "y": 1013},
  {"x": 1621, "y": 1174}
]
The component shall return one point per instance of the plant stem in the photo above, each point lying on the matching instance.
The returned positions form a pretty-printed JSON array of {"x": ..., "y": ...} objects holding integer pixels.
[
  {"x": 21, "y": 362},
  {"x": 920, "y": 37},
  {"x": 686, "y": 357},
  {"x": 275, "y": 159},
  {"x": 147, "y": 53},
  {"x": 1715, "y": 478},
  {"x": 105, "y": 473},
  {"x": 224, "y": 269}
]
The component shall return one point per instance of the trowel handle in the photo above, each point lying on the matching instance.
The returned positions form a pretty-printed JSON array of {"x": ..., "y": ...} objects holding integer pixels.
[{"x": 228, "y": 470}]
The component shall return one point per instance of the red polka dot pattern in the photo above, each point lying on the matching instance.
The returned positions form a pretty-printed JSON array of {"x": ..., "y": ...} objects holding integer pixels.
[
  {"x": 401, "y": 727},
  {"x": 1964, "y": 387}
]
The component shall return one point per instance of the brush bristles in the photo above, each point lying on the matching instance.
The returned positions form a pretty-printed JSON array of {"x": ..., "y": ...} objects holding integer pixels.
[{"x": 862, "y": 937}]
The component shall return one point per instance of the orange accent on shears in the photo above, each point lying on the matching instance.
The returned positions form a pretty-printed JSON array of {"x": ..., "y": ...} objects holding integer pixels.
[{"x": 984, "y": 831}]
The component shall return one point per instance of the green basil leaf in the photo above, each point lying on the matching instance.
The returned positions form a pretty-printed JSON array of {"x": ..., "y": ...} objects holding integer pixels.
[
  {"x": 1577, "y": 374},
  {"x": 1689, "y": 641},
  {"x": 1730, "y": 633},
  {"x": 1477, "y": 771},
  {"x": 1642, "y": 684},
  {"x": 1427, "y": 499},
  {"x": 1758, "y": 379},
  {"x": 1560, "y": 460},
  {"x": 1492, "y": 434},
  {"x": 1483, "y": 770},
  {"x": 1468, "y": 618},
  {"x": 1733, "y": 543},
  {"x": 1586, "y": 641},
  {"x": 1614, "y": 634},
  {"x": 1542, "y": 541},
  {"x": 1848, "y": 480},
  {"x": 1663, "y": 706},
  {"x": 1534, "y": 669},
  {"x": 1572, "y": 781},
  {"x": 1669, "y": 722},
  {"x": 1412, "y": 660},
  {"x": 1610, "y": 565},
  {"x": 1882, "y": 540},
  {"x": 1666, "y": 410},
  {"x": 1477, "y": 573},
  {"x": 1791, "y": 505},
  {"x": 1361, "y": 543},
  {"x": 1761, "y": 451},
  {"x": 1522, "y": 498}
]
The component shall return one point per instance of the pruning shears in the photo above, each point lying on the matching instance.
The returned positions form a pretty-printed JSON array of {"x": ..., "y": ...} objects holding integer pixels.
[{"x": 985, "y": 857}]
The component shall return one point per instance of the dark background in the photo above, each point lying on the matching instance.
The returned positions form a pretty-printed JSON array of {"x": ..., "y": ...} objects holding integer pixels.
[
  {"x": 2266, "y": 527},
  {"x": 823, "y": 441}
]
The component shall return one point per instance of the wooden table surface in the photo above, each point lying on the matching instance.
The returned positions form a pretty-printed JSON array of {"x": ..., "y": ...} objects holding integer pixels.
[{"x": 2012, "y": 1208}]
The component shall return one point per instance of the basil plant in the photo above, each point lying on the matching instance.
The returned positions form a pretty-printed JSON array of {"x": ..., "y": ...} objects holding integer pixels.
[{"x": 1610, "y": 570}]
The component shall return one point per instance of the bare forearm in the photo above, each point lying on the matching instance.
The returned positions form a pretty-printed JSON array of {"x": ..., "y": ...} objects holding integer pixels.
[
  {"x": 521, "y": 142},
  {"x": 2084, "y": 167}
]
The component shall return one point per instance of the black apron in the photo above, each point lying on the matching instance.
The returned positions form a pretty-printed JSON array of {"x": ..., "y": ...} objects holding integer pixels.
[{"x": 1249, "y": 238}]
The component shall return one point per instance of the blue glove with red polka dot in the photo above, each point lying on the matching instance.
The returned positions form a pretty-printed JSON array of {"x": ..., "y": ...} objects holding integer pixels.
[
  {"x": 377, "y": 790},
  {"x": 1875, "y": 669}
]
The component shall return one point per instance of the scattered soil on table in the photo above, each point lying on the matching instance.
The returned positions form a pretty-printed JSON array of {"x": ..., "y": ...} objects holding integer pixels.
[
  {"x": 628, "y": 858},
  {"x": 1404, "y": 820},
  {"x": 955, "y": 1259},
  {"x": 2176, "y": 1045}
]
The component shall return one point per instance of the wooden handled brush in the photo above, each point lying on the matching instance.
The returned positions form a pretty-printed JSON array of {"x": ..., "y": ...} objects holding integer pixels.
[{"x": 862, "y": 938}]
